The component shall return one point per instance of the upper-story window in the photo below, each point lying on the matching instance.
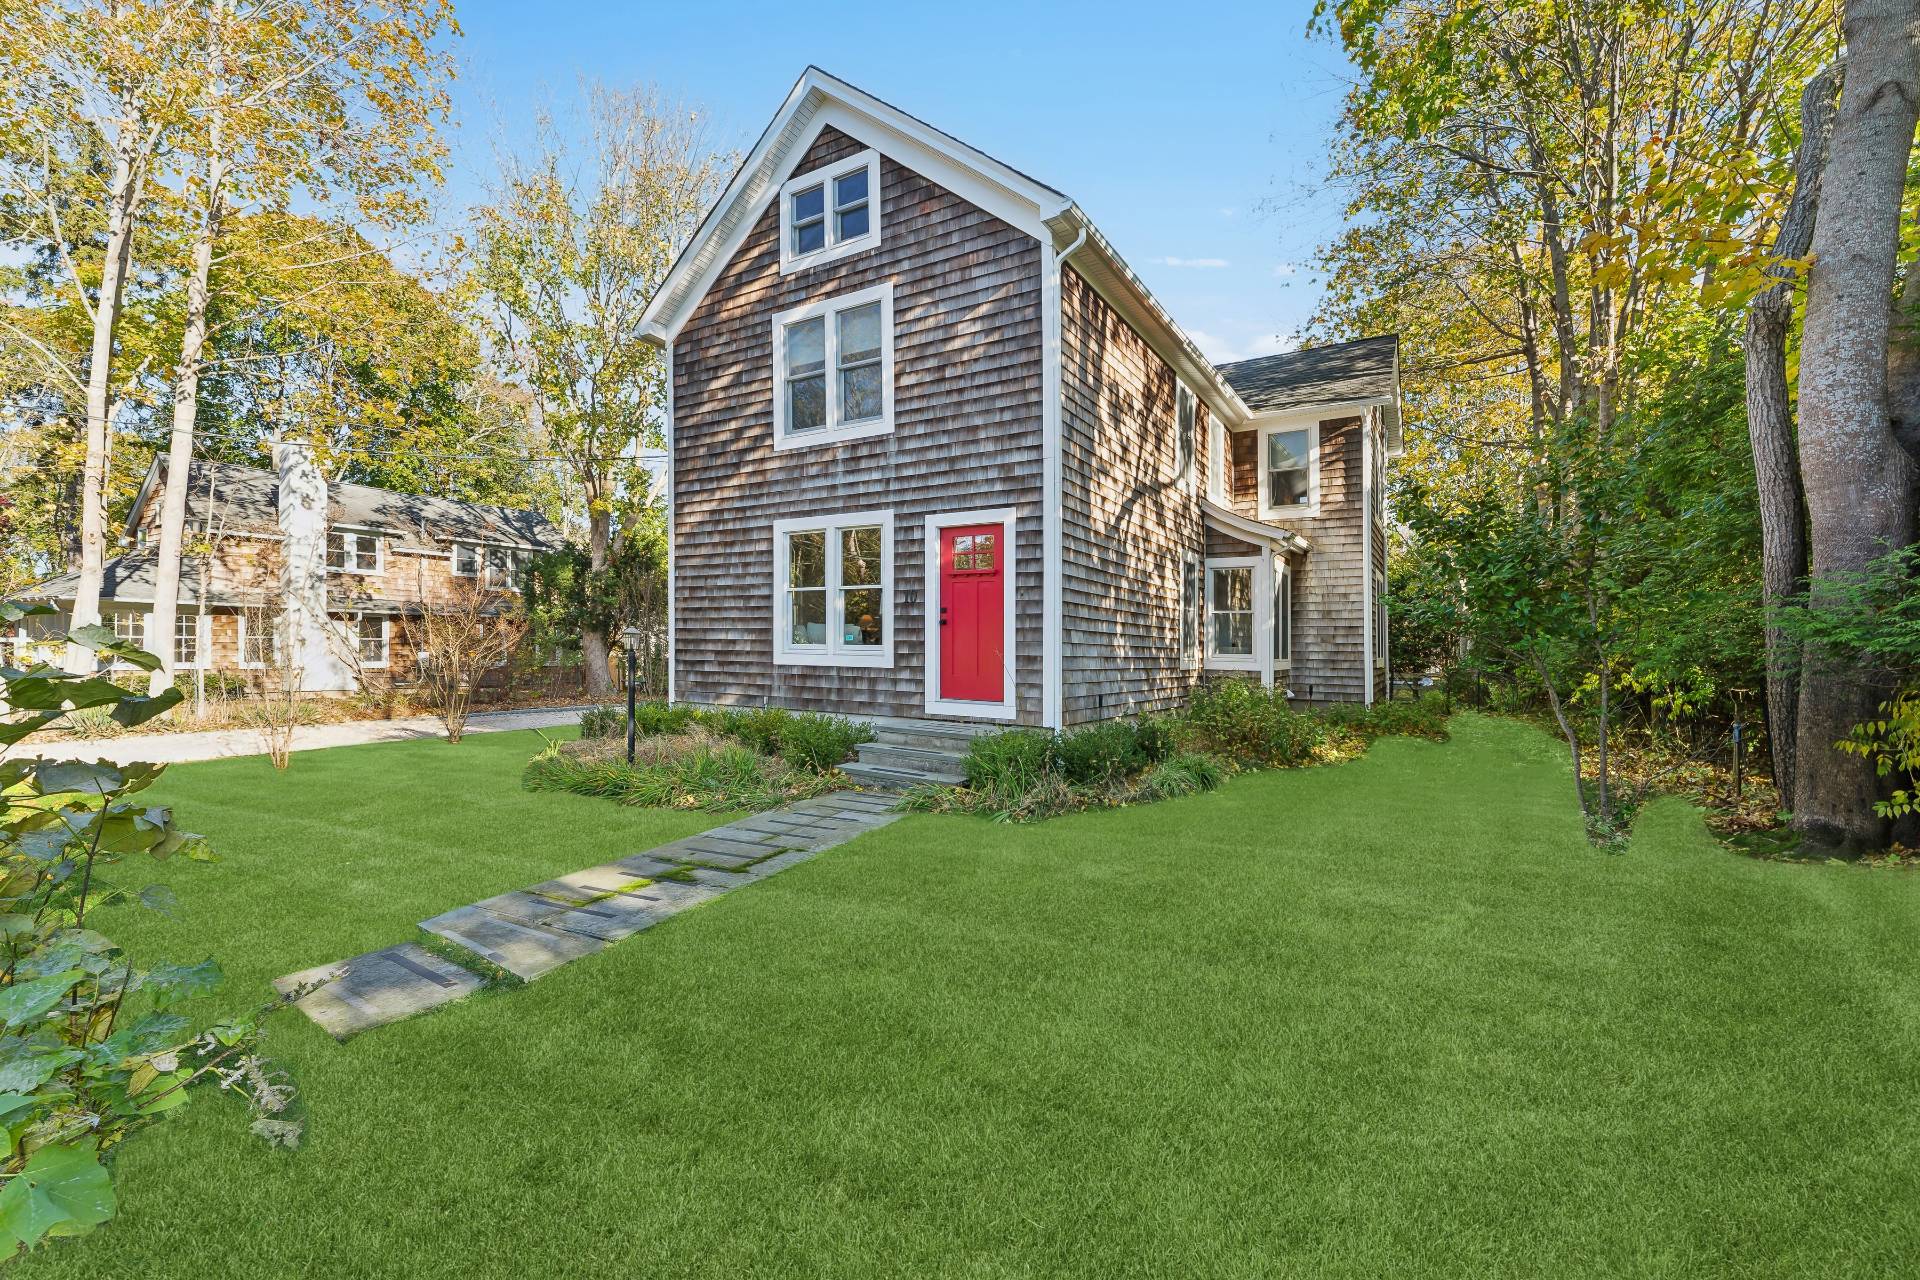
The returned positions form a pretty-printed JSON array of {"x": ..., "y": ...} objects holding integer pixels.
[
  {"x": 1290, "y": 469},
  {"x": 349, "y": 551},
  {"x": 1185, "y": 430},
  {"x": 500, "y": 568},
  {"x": 830, "y": 212},
  {"x": 833, "y": 369}
]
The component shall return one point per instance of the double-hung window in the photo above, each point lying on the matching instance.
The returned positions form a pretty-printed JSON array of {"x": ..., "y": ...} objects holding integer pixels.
[
  {"x": 830, "y": 212},
  {"x": 186, "y": 639},
  {"x": 367, "y": 633},
  {"x": 1290, "y": 469},
  {"x": 499, "y": 568},
  {"x": 259, "y": 638},
  {"x": 466, "y": 560},
  {"x": 833, "y": 590},
  {"x": 1231, "y": 598},
  {"x": 833, "y": 369},
  {"x": 349, "y": 551}
]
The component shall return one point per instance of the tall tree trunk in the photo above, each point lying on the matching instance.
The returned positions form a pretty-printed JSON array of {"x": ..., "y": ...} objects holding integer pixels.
[
  {"x": 1860, "y": 484},
  {"x": 186, "y": 399},
  {"x": 1776, "y": 469},
  {"x": 594, "y": 646},
  {"x": 123, "y": 203}
]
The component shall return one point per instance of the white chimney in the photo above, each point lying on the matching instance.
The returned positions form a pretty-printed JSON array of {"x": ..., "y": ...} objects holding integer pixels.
[{"x": 306, "y": 634}]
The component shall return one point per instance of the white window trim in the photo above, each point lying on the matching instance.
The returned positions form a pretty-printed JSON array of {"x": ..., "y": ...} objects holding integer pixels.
[
  {"x": 203, "y": 646},
  {"x": 1282, "y": 598},
  {"x": 1311, "y": 507},
  {"x": 379, "y": 550},
  {"x": 833, "y": 432},
  {"x": 1008, "y": 707},
  {"x": 834, "y": 653},
  {"x": 479, "y": 559},
  {"x": 386, "y": 641},
  {"x": 241, "y": 650},
  {"x": 824, "y": 177},
  {"x": 1219, "y": 460},
  {"x": 1187, "y": 469},
  {"x": 1262, "y": 605},
  {"x": 1193, "y": 613}
]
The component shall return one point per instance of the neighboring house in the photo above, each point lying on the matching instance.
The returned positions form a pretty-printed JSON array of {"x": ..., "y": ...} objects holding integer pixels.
[
  {"x": 387, "y": 556},
  {"x": 936, "y": 452}
]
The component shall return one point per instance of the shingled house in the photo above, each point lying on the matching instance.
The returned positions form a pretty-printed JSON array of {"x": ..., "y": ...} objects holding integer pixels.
[
  {"x": 387, "y": 555},
  {"x": 936, "y": 453}
]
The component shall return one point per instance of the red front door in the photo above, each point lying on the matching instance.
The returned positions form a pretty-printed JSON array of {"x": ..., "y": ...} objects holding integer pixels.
[{"x": 972, "y": 613}]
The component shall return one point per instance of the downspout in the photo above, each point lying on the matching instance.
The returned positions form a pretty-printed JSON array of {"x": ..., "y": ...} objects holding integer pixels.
[{"x": 1052, "y": 512}]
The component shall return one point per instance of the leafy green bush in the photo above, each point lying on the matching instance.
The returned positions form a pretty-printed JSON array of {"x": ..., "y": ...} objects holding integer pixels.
[
  {"x": 1098, "y": 753},
  {"x": 759, "y": 727},
  {"x": 1240, "y": 721},
  {"x": 819, "y": 742},
  {"x": 603, "y": 722},
  {"x": 81, "y": 1067},
  {"x": 1009, "y": 762}
]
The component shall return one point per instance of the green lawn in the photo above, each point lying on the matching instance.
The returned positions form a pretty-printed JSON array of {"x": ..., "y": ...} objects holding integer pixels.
[{"x": 1390, "y": 1018}]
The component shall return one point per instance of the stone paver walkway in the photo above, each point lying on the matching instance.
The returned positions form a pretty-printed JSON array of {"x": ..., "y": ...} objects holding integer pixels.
[
  {"x": 533, "y": 931},
  {"x": 218, "y": 744}
]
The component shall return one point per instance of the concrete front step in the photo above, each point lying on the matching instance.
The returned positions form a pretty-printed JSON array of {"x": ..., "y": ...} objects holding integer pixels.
[{"x": 892, "y": 778}]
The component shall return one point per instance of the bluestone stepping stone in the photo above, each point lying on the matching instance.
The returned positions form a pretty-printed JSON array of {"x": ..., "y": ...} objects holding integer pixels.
[
  {"x": 378, "y": 988},
  {"x": 525, "y": 951},
  {"x": 612, "y": 919},
  {"x": 649, "y": 865}
]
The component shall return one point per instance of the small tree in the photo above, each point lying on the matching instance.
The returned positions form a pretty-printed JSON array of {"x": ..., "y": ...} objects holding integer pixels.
[{"x": 458, "y": 640}]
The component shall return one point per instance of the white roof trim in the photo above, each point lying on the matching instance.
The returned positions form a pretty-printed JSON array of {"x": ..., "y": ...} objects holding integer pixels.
[
  {"x": 1253, "y": 530},
  {"x": 819, "y": 100}
]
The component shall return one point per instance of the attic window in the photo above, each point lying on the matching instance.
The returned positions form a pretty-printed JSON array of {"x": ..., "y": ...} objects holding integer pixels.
[{"x": 830, "y": 212}]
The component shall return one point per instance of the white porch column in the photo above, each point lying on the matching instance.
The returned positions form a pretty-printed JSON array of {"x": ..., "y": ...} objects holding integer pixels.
[{"x": 306, "y": 634}]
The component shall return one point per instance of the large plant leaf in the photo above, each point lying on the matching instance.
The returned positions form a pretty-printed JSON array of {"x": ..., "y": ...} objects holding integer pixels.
[
  {"x": 14, "y": 610},
  {"x": 32, "y": 1070},
  {"x": 12, "y": 731},
  {"x": 56, "y": 777},
  {"x": 167, "y": 983},
  {"x": 102, "y": 640},
  {"x": 62, "y": 1191},
  {"x": 25, "y": 1000},
  {"x": 135, "y": 709}
]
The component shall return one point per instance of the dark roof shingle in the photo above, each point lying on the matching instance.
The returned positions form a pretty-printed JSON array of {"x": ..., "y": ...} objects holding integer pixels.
[{"x": 1364, "y": 369}]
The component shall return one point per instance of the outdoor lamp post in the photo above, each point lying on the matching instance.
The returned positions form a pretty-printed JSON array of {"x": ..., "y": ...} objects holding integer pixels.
[{"x": 630, "y": 641}]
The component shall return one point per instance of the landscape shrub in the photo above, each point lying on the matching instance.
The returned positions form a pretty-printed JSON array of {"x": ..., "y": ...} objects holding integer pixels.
[
  {"x": 603, "y": 722},
  {"x": 1240, "y": 721},
  {"x": 1009, "y": 762},
  {"x": 1104, "y": 752},
  {"x": 758, "y": 727},
  {"x": 694, "y": 770},
  {"x": 1183, "y": 775},
  {"x": 820, "y": 742}
]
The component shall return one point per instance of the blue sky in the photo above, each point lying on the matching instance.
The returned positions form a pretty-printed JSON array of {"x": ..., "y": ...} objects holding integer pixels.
[{"x": 1192, "y": 137}]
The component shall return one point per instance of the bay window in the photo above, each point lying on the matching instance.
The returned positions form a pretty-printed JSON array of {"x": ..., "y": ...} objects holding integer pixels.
[
  {"x": 833, "y": 369},
  {"x": 830, "y": 212},
  {"x": 833, "y": 590}
]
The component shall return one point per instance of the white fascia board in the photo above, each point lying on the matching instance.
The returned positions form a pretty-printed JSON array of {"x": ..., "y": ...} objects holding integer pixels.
[{"x": 1253, "y": 530}]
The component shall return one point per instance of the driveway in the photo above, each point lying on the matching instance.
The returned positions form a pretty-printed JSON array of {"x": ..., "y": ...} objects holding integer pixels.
[{"x": 217, "y": 744}]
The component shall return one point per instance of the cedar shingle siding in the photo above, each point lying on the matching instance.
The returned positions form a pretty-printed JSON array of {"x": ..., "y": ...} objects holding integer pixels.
[
  {"x": 967, "y": 434},
  {"x": 1129, "y": 522},
  {"x": 1329, "y": 581}
]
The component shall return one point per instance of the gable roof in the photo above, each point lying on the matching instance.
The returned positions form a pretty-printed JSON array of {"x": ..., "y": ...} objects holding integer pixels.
[
  {"x": 819, "y": 100},
  {"x": 1365, "y": 371},
  {"x": 249, "y": 498}
]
